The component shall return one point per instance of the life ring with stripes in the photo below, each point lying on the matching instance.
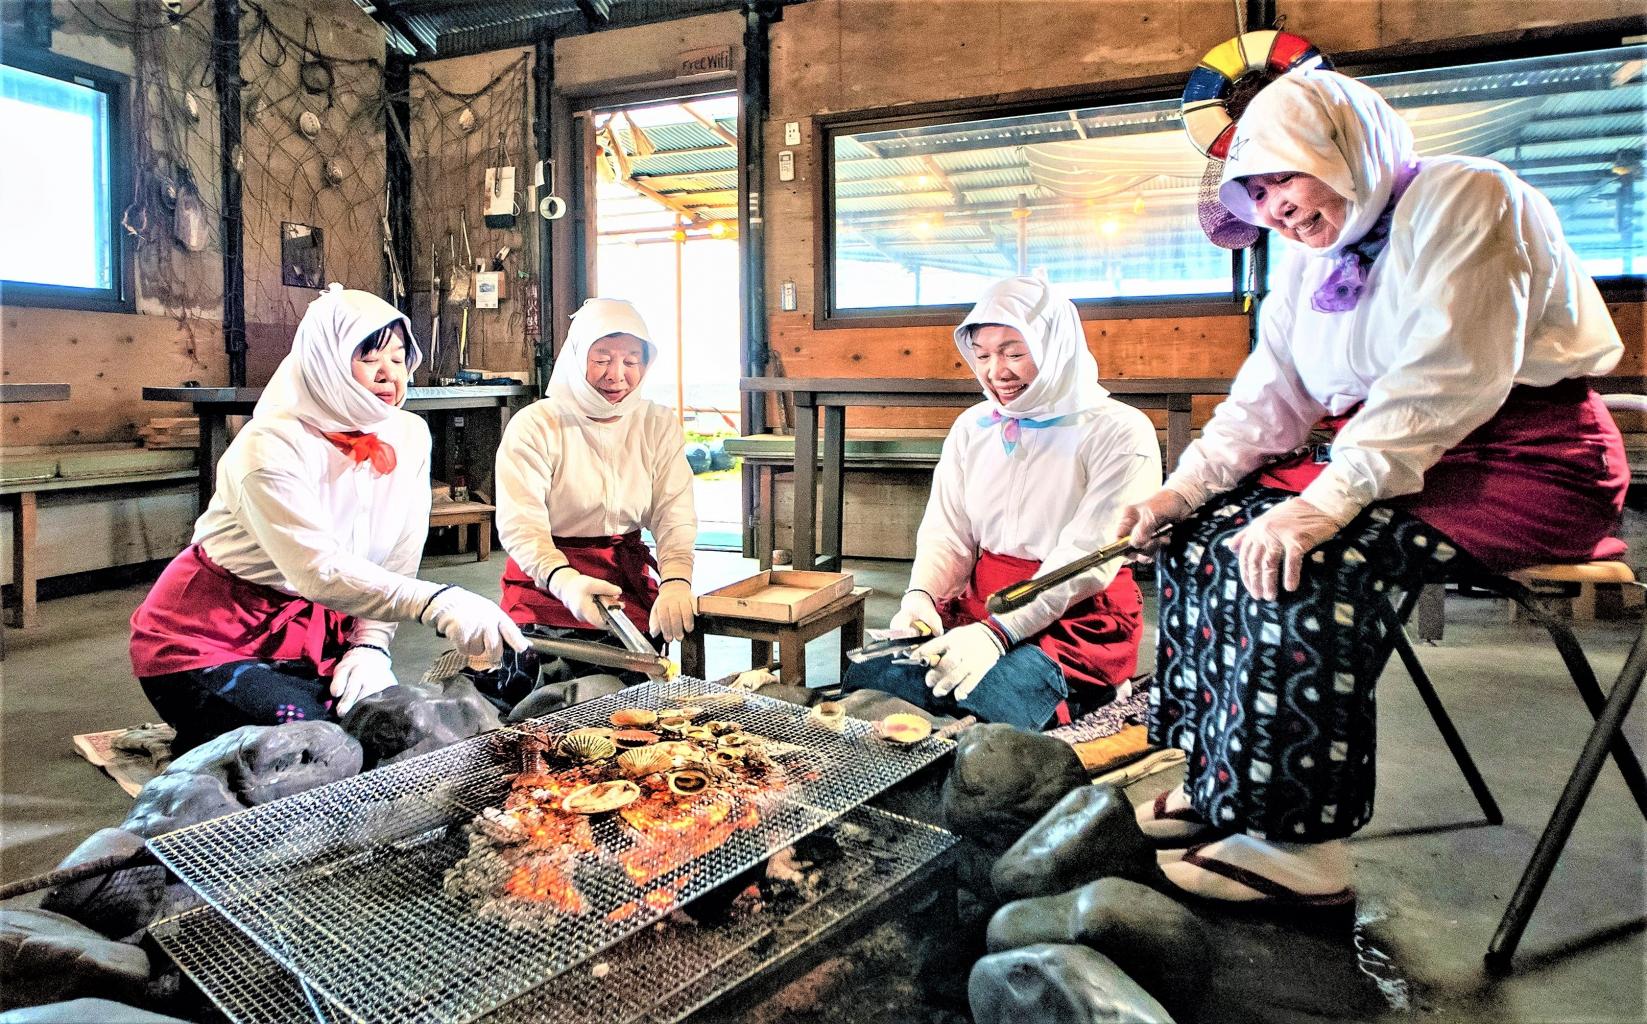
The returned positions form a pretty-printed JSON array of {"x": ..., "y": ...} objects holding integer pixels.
[{"x": 1247, "y": 62}]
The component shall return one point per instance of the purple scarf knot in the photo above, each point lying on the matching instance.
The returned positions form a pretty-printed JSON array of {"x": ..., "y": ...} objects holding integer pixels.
[{"x": 1343, "y": 287}]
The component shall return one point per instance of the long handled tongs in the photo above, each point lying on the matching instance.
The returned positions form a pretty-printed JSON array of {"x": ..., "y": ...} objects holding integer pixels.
[
  {"x": 1019, "y": 594},
  {"x": 901, "y": 649},
  {"x": 651, "y": 664}
]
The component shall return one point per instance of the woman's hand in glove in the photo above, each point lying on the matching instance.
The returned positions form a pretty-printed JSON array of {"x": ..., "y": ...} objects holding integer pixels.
[
  {"x": 1142, "y": 521},
  {"x": 1271, "y": 548},
  {"x": 478, "y": 626},
  {"x": 361, "y": 672},
  {"x": 960, "y": 659},
  {"x": 675, "y": 610},
  {"x": 917, "y": 607},
  {"x": 581, "y": 595}
]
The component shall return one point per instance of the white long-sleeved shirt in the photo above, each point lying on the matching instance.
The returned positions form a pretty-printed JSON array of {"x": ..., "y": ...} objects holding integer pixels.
[
  {"x": 1477, "y": 291},
  {"x": 559, "y": 472},
  {"x": 1056, "y": 498},
  {"x": 294, "y": 513}
]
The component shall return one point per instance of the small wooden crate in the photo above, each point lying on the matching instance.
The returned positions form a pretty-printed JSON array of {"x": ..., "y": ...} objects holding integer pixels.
[{"x": 785, "y": 595}]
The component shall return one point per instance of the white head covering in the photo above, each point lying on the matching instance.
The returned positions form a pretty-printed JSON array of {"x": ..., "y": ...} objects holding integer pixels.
[
  {"x": 569, "y": 381},
  {"x": 314, "y": 382},
  {"x": 1066, "y": 378},
  {"x": 1328, "y": 126}
]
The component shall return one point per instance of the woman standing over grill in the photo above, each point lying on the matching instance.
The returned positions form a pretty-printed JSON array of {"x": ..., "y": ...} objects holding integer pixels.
[
  {"x": 579, "y": 474},
  {"x": 1431, "y": 315},
  {"x": 1036, "y": 474},
  {"x": 302, "y": 562}
]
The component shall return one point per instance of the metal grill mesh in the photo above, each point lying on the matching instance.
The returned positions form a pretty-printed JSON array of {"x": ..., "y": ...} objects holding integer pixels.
[
  {"x": 343, "y": 884},
  {"x": 661, "y": 974}
]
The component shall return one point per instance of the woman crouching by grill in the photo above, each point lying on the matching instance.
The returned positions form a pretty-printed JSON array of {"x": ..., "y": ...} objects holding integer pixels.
[
  {"x": 283, "y": 607},
  {"x": 1035, "y": 475},
  {"x": 1430, "y": 315},
  {"x": 579, "y": 474}
]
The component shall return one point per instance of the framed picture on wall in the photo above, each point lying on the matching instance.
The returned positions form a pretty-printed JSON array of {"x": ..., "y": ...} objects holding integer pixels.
[{"x": 302, "y": 256}]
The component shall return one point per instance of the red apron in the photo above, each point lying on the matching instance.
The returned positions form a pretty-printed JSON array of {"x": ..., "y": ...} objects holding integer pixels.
[
  {"x": 198, "y": 615},
  {"x": 1542, "y": 481},
  {"x": 623, "y": 560},
  {"x": 1096, "y": 641}
]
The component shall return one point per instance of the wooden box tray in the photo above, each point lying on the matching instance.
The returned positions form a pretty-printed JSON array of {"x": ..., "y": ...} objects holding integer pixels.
[{"x": 785, "y": 595}]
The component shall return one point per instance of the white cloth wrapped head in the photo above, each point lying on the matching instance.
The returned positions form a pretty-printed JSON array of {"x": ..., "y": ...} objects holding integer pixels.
[
  {"x": 315, "y": 382},
  {"x": 1066, "y": 378},
  {"x": 569, "y": 382}
]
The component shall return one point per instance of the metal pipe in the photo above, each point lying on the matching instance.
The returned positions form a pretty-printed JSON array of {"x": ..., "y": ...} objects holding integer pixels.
[
  {"x": 543, "y": 90},
  {"x": 226, "y": 68},
  {"x": 397, "y": 130}
]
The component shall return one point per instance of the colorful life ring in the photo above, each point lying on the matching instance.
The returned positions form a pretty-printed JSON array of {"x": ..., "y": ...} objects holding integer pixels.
[{"x": 1268, "y": 54}]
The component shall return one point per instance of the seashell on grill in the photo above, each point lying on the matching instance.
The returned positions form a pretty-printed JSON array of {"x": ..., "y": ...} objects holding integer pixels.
[
  {"x": 688, "y": 781},
  {"x": 633, "y": 718},
  {"x": 685, "y": 711},
  {"x": 583, "y": 746},
  {"x": 642, "y": 761},
  {"x": 630, "y": 738},
  {"x": 601, "y": 797},
  {"x": 722, "y": 728},
  {"x": 673, "y": 725}
]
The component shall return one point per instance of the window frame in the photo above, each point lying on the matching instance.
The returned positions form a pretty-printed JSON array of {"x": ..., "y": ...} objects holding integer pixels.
[
  {"x": 826, "y": 127},
  {"x": 120, "y": 297}
]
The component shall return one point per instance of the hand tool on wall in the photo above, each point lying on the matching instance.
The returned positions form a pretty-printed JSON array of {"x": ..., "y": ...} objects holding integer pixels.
[
  {"x": 468, "y": 301},
  {"x": 397, "y": 283},
  {"x": 435, "y": 297}
]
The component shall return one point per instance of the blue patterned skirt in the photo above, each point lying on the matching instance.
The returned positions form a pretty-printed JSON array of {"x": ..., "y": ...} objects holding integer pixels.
[{"x": 1273, "y": 700}]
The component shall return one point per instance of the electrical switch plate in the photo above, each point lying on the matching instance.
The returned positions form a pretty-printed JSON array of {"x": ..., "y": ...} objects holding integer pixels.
[
  {"x": 792, "y": 133},
  {"x": 786, "y": 166},
  {"x": 787, "y": 293}
]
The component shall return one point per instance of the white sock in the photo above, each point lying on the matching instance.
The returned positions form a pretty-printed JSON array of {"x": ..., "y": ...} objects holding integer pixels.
[{"x": 1264, "y": 870}]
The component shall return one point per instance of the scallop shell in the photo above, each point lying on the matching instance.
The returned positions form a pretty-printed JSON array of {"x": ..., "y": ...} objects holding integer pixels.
[
  {"x": 727, "y": 756},
  {"x": 643, "y": 761},
  {"x": 699, "y": 733},
  {"x": 904, "y": 728},
  {"x": 685, "y": 711},
  {"x": 601, "y": 797},
  {"x": 722, "y": 728},
  {"x": 688, "y": 781},
  {"x": 735, "y": 741},
  {"x": 587, "y": 747},
  {"x": 828, "y": 714},
  {"x": 673, "y": 725},
  {"x": 630, "y": 718},
  {"x": 631, "y": 738}
]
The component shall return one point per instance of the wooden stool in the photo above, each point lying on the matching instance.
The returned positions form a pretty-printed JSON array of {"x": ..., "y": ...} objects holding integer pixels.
[
  {"x": 464, "y": 514},
  {"x": 1603, "y": 590},
  {"x": 846, "y": 614}
]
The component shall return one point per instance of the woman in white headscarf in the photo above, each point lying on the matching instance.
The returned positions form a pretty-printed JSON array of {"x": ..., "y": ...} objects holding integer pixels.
[
  {"x": 579, "y": 474},
  {"x": 283, "y": 606},
  {"x": 1431, "y": 322},
  {"x": 1035, "y": 476}
]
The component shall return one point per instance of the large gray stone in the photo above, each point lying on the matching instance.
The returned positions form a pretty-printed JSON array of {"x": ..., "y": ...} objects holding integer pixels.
[
  {"x": 552, "y": 697},
  {"x": 1058, "y": 984},
  {"x": 405, "y": 721},
  {"x": 1091, "y": 833},
  {"x": 251, "y": 765},
  {"x": 1004, "y": 780},
  {"x": 118, "y": 904},
  {"x": 85, "y": 1011},
  {"x": 1205, "y": 962},
  {"x": 47, "y": 958}
]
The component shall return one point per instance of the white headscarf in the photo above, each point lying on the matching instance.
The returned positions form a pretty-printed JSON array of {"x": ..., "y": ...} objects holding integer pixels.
[
  {"x": 314, "y": 382},
  {"x": 1330, "y": 127},
  {"x": 1066, "y": 379},
  {"x": 569, "y": 381}
]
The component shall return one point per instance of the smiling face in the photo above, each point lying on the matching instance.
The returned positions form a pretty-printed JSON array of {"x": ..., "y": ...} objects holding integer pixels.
[
  {"x": 379, "y": 364},
  {"x": 1003, "y": 360},
  {"x": 616, "y": 365},
  {"x": 1298, "y": 206}
]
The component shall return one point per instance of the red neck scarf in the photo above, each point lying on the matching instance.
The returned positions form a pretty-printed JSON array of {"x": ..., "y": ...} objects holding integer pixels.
[{"x": 362, "y": 447}]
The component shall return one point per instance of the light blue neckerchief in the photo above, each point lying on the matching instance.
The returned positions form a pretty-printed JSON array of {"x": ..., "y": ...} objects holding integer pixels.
[{"x": 1011, "y": 425}]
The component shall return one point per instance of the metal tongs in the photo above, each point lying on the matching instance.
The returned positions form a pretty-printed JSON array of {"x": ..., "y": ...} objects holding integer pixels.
[
  {"x": 1019, "y": 594},
  {"x": 901, "y": 649},
  {"x": 620, "y": 626}
]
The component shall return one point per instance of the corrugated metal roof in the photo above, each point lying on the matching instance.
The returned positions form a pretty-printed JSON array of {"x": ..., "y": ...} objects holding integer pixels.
[{"x": 448, "y": 28}]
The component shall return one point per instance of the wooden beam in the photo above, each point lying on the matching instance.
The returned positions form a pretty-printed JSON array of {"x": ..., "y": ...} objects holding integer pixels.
[{"x": 719, "y": 132}]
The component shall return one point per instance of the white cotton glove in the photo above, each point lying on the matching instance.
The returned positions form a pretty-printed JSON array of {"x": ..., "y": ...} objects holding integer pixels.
[
  {"x": 1141, "y": 521},
  {"x": 478, "y": 626},
  {"x": 674, "y": 611},
  {"x": 1271, "y": 548},
  {"x": 917, "y": 607},
  {"x": 960, "y": 658},
  {"x": 361, "y": 672},
  {"x": 580, "y": 594}
]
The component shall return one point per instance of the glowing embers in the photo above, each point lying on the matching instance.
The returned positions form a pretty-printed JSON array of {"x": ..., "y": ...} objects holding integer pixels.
[{"x": 652, "y": 810}]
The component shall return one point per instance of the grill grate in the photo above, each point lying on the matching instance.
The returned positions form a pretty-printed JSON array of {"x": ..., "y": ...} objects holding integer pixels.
[
  {"x": 663, "y": 973},
  {"x": 342, "y": 885}
]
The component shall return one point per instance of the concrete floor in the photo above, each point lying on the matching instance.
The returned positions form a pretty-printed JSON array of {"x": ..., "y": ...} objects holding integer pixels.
[{"x": 1427, "y": 866}]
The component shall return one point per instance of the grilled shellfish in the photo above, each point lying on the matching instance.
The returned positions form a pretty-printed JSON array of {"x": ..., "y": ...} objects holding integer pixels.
[
  {"x": 629, "y": 738},
  {"x": 688, "y": 781},
  {"x": 633, "y": 718},
  {"x": 601, "y": 797},
  {"x": 643, "y": 761},
  {"x": 903, "y": 728},
  {"x": 583, "y": 746}
]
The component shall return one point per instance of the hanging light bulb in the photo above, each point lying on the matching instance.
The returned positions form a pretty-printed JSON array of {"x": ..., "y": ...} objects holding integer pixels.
[
  {"x": 1138, "y": 205},
  {"x": 717, "y": 229},
  {"x": 1109, "y": 225}
]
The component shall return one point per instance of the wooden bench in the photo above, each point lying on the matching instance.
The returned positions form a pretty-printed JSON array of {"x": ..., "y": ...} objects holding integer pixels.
[{"x": 464, "y": 514}]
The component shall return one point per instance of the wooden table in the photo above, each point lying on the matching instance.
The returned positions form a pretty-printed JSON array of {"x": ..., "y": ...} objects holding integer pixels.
[
  {"x": 23, "y": 531},
  {"x": 835, "y": 394},
  {"x": 214, "y": 406},
  {"x": 845, "y": 613}
]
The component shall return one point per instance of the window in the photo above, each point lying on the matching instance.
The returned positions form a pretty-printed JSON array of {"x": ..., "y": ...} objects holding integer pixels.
[
  {"x": 1100, "y": 199},
  {"x": 62, "y": 182}
]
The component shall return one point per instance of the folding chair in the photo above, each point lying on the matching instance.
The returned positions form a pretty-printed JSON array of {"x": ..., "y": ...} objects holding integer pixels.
[{"x": 1608, "y": 710}]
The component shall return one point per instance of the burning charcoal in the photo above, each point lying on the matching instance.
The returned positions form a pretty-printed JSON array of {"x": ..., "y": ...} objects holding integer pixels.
[
  {"x": 405, "y": 721},
  {"x": 46, "y": 957},
  {"x": 1090, "y": 833},
  {"x": 79, "y": 1011},
  {"x": 1067, "y": 984},
  {"x": 1004, "y": 779},
  {"x": 119, "y": 904}
]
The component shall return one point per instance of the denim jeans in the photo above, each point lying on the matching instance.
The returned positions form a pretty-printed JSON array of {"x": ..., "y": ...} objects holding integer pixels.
[{"x": 1022, "y": 689}]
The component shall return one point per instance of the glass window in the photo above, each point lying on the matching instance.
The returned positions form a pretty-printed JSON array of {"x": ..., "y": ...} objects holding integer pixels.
[
  {"x": 57, "y": 173},
  {"x": 1100, "y": 199}
]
